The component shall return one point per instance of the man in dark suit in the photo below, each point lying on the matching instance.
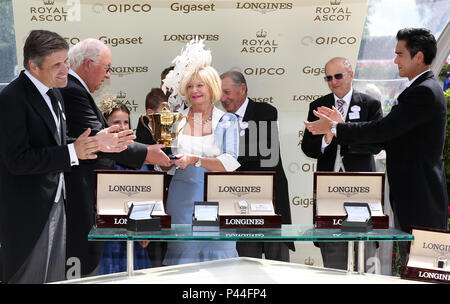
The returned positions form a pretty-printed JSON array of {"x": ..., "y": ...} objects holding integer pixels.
[
  {"x": 90, "y": 62},
  {"x": 34, "y": 153},
  {"x": 260, "y": 115},
  {"x": 331, "y": 156},
  {"x": 413, "y": 134}
]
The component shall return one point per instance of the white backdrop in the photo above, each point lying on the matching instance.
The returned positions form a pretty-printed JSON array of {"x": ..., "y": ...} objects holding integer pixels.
[{"x": 280, "y": 46}]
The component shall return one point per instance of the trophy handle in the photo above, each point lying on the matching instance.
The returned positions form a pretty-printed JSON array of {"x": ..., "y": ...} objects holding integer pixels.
[
  {"x": 146, "y": 125},
  {"x": 180, "y": 117}
]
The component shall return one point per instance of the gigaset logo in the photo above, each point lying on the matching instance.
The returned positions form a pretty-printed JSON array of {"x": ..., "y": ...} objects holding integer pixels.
[{"x": 190, "y": 8}]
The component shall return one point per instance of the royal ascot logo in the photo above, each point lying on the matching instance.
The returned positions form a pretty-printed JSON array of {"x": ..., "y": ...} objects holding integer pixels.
[
  {"x": 121, "y": 8},
  {"x": 265, "y": 71},
  {"x": 128, "y": 70},
  {"x": 333, "y": 12},
  {"x": 259, "y": 44},
  {"x": 306, "y": 97},
  {"x": 264, "y": 7},
  {"x": 192, "y": 8},
  {"x": 327, "y": 41},
  {"x": 184, "y": 38},
  {"x": 49, "y": 12},
  {"x": 130, "y": 103},
  {"x": 239, "y": 190},
  {"x": 314, "y": 71}
]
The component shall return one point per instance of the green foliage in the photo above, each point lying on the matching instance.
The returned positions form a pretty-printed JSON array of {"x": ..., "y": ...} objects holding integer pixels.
[
  {"x": 447, "y": 143},
  {"x": 444, "y": 71}
]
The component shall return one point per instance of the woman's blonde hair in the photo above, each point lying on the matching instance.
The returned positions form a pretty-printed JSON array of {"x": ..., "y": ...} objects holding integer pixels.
[{"x": 211, "y": 78}]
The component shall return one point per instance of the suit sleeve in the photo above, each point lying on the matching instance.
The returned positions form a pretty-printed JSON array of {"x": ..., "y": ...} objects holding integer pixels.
[
  {"x": 80, "y": 113},
  {"x": 374, "y": 113},
  {"x": 312, "y": 144},
  {"x": 411, "y": 112}
]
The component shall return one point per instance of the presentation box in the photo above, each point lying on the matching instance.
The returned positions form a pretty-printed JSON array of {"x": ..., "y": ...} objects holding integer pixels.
[
  {"x": 116, "y": 190},
  {"x": 246, "y": 199},
  {"x": 331, "y": 190}
]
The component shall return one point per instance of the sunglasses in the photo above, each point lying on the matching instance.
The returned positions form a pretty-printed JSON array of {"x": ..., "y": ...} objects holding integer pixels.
[{"x": 336, "y": 76}]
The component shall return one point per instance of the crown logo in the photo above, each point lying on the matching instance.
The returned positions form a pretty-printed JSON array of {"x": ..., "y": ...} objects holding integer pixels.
[
  {"x": 309, "y": 261},
  {"x": 121, "y": 95},
  {"x": 49, "y": 2},
  {"x": 261, "y": 34},
  {"x": 335, "y": 2}
]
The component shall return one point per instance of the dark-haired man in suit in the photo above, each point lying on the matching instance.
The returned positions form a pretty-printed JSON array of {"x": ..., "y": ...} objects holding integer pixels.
[
  {"x": 260, "y": 115},
  {"x": 413, "y": 134},
  {"x": 34, "y": 153}
]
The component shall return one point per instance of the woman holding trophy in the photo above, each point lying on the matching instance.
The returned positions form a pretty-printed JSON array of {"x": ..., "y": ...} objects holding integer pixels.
[{"x": 207, "y": 140}]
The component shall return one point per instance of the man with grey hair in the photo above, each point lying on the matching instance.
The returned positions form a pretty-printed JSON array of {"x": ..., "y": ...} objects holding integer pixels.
[
  {"x": 259, "y": 150},
  {"x": 90, "y": 62},
  {"x": 354, "y": 106}
]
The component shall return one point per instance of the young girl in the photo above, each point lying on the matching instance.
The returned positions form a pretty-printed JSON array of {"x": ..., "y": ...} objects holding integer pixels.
[{"x": 114, "y": 252}]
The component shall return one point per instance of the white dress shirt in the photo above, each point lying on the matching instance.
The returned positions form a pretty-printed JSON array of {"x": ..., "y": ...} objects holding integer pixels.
[{"x": 338, "y": 164}]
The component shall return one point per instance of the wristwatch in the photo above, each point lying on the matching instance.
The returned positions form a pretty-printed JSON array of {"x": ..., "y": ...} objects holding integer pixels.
[
  {"x": 199, "y": 162},
  {"x": 243, "y": 205},
  {"x": 333, "y": 128}
]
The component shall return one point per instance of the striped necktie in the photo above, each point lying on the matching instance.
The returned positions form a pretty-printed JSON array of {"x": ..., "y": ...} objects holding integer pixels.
[{"x": 340, "y": 106}]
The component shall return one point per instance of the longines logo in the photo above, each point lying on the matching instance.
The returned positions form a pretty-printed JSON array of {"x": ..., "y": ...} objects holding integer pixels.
[
  {"x": 122, "y": 8},
  {"x": 259, "y": 44},
  {"x": 237, "y": 221},
  {"x": 129, "y": 190},
  {"x": 334, "y": 12},
  {"x": 308, "y": 98},
  {"x": 330, "y": 40},
  {"x": 315, "y": 71},
  {"x": 128, "y": 70},
  {"x": 264, "y": 7},
  {"x": 263, "y": 71},
  {"x": 130, "y": 103},
  {"x": 348, "y": 191},
  {"x": 48, "y": 12},
  {"x": 191, "y": 8},
  {"x": 239, "y": 190},
  {"x": 433, "y": 275},
  {"x": 188, "y": 37}
]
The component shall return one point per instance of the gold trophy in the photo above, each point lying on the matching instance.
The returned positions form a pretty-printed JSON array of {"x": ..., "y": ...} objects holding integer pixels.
[{"x": 164, "y": 127}]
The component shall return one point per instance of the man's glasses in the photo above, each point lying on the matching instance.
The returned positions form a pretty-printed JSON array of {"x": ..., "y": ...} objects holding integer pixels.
[
  {"x": 106, "y": 67},
  {"x": 336, "y": 76}
]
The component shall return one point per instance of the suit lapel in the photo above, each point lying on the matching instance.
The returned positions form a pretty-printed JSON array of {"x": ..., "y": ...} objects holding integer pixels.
[
  {"x": 416, "y": 82},
  {"x": 38, "y": 103},
  {"x": 355, "y": 101},
  {"x": 249, "y": 112}
]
